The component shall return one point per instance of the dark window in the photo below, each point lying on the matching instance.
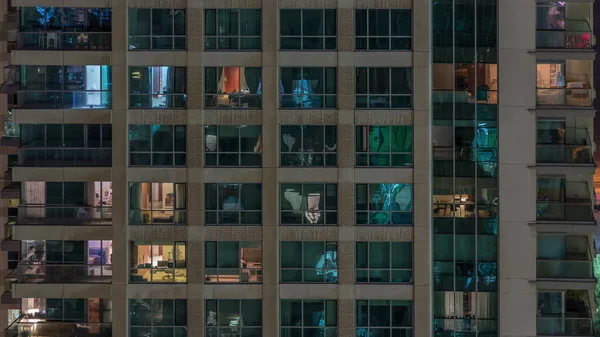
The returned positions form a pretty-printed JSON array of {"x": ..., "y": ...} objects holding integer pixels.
[
  {"x": 157, "y": 145},
  {"x": 228, "y": 29},
  {"x": 383, "y": 88},
  {"x": 308, "y": 29},
  {"x": 233, "y": 204},
  {"x": 157, "y": 28},
  {"x": 233, "y": 145},
  {"x": 383, "y": 29},
  {"x": 308, "y": 145},
  {"x": 308, "y": 88}
]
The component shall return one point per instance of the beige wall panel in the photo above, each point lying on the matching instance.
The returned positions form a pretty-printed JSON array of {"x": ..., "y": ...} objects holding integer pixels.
[{"x": 157, "y": 174}]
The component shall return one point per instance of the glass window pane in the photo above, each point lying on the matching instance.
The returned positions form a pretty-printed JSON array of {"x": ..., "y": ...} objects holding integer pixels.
[
  {"x": 290, "y": 22},
  {"x": 312, "y": 20},
  {"x": 139, "y": 21}
]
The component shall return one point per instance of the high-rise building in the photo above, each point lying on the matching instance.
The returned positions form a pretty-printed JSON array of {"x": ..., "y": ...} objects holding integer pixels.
[{"x": 305, "y": 168}]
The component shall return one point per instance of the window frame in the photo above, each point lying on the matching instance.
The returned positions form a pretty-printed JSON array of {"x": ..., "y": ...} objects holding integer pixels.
[
  {"x": 390, "y": 269},
  {"x": 81, "y": 301},
  {"x": 240, "y": 154},
  {"x": 325, "y": 270},
  {"x": 150, "y": 94},
  {"x": 323, "y": 37},
  {"x": 284, "y": 186},
  {"x": 257, "y": 97},
  {"x": 240, "y": 328},
  {"x": 390, "y": 37},
  {"x": 85, "y": 140},
  {"x": 174, "y": 154},
  {"x": 390, "y": 153},
  {"x": 217, "y": 212},
  {"x": 169, "y": 271},
  {"x": 175, "y": 327},
  {"x": 216, "y": 270},
  {"x": 302, "y": 327},
  {"x": 391, "y": 327},
  {"x": 390, "y": 213},
  {"x": 179, "y": 214},
  {"x": 389, "y": 95},
  {"x": 151, "y": 36},
  {"x": 324, "y": 93},
  {"x": 326, "y": 129},
  {"x": 239, "y": 37}
]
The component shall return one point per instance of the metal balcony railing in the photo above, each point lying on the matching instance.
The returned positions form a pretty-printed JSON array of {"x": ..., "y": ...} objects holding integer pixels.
[
  {"x": 56, "y": 40},
  {"x": 64, "y": 215},
  {"x": 564, "y": 211},
  {"x": 64, "y": 99},
  {"x": 575, "y": 97},
  {"x": 27, "y": 272},
  {"x": 65, "y": 157},
  {"x": 20, "y": 328}
]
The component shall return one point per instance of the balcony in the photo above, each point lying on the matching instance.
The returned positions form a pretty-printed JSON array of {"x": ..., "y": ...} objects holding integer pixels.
[
  {"x": 552, "y": 269},
  {"x": 64, "y": 215},
  {"x": 60, "y": 273},
  {"x": 572, "y": 97},
  {"x": 65, "y": 157},
  {"x": 562, "y": 326},
  {"x": 577, "y": 36},
  {"x": 564, "y": 146},
  {"x": 36, "y": 328},
  {"x": 64, "y": 99},
  {"x": 10, "y": 25},
  {"x": 565, "y": 211},
  {"x": 8, "y": 244},
  {"x": 57, "y": 40}
]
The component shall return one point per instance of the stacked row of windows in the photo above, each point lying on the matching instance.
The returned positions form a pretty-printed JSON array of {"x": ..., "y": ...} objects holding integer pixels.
[
  {"x": 243, "y": 318},
  {"x": 300, "y": 145},
  {"x": 241, "y": 262},
  {"x": 240, "y": 29},
  {"x": 465, "y": 173}
]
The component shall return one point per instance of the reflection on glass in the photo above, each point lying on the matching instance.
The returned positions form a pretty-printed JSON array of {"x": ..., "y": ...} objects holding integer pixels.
[
  {"x": 384, "y": 204},
  {"x": 383, "y": 262},
  {"x": 308, "y": 318},
  {"x": 158, "y": 262},
  {"x": 308, "y": 145},
  {"x": 564, "y": 313},
  {"x": 384, "y": 145},
  {"x": 157, "y": 87},
  {"x": 233, "y": 145},
  {"x": 318, "y": 263},
  {"x": 233, "y": 318},
  {"x": 308, "y": 204},
  {"x": 158, "y": 317},
  {"x": 233, "y": 262},
  {"x": 233, "y": 87},
  {"x": 383, "y": 317},
  {"x": 157, "y": 203},
  {"x": 384, "y": 88},
  {"x": 228, "y": 29},
  {"x": 156, "y": 28},
  {"x": 308, "y": 88},
  {"x": 233, "y": 204},
  {"x": 157, "y": 145}
]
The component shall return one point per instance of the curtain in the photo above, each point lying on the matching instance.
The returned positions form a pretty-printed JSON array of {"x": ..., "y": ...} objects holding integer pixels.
[
  {"x": 220, "y": 81},
  {"x": 253, "y": 78}
]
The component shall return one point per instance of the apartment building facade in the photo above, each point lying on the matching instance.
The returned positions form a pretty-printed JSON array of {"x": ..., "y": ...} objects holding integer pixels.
[{"x": 297, "y": 168}]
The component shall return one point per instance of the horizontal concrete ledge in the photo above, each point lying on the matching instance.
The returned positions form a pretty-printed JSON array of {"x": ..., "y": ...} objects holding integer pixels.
[
  {"x": 176, "y": 58},
  {"x": 61, "y": 57},
  {"x": 232, "y": 291},
  {"x": 238, "y": 59},
  {"x": 157, "y": 174},
  {"x": 57, "y": 174},
  {"x": 63, "y": 3},
  {"x": 64, "y": 116},
  {"x": 383, "y": 175},
  {"x": 158, "y": 290},
  {"x": 308, "y": 59},
  {"x": 54, "y": 232},
  {"x": 564, "y": 112},
  {"x": 563, "y": 169},
  {"x": 399, "y": 59},
  {"x": 564, "y": 54},
  {"x": 321, "y": 291},
  {"x": 61, "y": 290},
  {"x": 565, "y": 227},
  {"x": 562, "y": 284},
  {"x": 233, "y": 175},
  {"x": 308, "y": 175}
]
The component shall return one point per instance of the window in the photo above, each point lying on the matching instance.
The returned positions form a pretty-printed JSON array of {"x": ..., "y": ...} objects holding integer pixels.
[
  {"x": 65, "y": 87},
  {"x": 309, "y": 318},
  {"x": 158, "y": 262},
  {"x": 65, "y": 252},
  {"x": 384, "y": 318},
  {"x": 308, "y": 145},
  {"x": 157, "y": 317},
  {"x": 308, "y": 29},
  {"x": 157, "y": 87},
  {"x": 157, "y": 145},
  {"x": 58, "y": 19},
  {"x": 384, "y": 262},
  {"x": 308, "y": 262},
  {"x": 384, "y": 146},
  {"x": 228, "y": 29},
  {"x": 383, "y": 88},
  {"x": 66, "y": 309},
  {"x": 233, "y": 145},
  {"x": 233, "y": 87},
  {"x": 560, "y": 309},
  {"x": 157, "y": 203},
  {"x": 233, "y": 204},
  {"x": 156, "y": 28},
  {"x": 384, "y": 204},
  {"x": 308, "y": 88},
  {"x": 234, "y": 318},
  {"x": 383, "y": 29},
  {"x": 463, "y": 84},
  {"x": 233, "y": 262},
  {"x": 308, "y": 204}
]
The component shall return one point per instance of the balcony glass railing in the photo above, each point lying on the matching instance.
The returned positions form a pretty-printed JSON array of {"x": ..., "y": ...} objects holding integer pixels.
[
  {"x": 576, "y": 97},
  {"x": 564, "y": 154},
  {"x": 85, "y": 41},
  {"x": 64, "y": 215},
  {"x": 559, "y": 326},
  {"x": 233, "y": 101},
  {"x": 63, "y": 99},
  {"x": 58, "y": 329},
  {"x": 553, "y": 39},
  {"x": 560, "y": 211},
  {"x": 479, "y": 96},
  {"x": 162, "y": 217},
  {"x": 60, "y": 273},
  {"x": 64, "y": 157},
  {"x": 564, "y": 269}
]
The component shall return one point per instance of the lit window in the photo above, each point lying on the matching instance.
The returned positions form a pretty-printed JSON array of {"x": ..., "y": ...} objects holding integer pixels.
[
  {"x": 158, "y": 262},
  {"x": 233, "y": 87},
  {"x": 157, "y": 203},
  {"x": 384, "y": 146},
  {"x": 157, "y": 87},
  {"x": 308, "y": 88},
  {"x": 384, "y": 204},
  {"x": 308, "y": 204},
  {"x": 233, "y": 262}
]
